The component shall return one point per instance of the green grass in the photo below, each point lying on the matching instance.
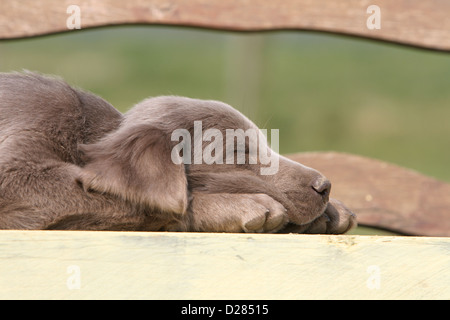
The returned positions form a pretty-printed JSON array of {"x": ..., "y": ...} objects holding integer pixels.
[
  {"x": 368, "y": 231},
  {"x": 323, "y": 92}
]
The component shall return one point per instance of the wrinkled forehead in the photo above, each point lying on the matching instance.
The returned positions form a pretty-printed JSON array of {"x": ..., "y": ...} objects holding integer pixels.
[{"x": 171, "y": 113}]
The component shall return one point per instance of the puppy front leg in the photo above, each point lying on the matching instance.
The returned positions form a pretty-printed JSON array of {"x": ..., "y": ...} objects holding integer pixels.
[
  {"x": 337, "y": 219},
  {"x": 225, "y": 212},
  {"x": 89, "y": 221}
]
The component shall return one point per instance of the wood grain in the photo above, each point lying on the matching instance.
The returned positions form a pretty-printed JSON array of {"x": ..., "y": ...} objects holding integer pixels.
[
  {"x": 414, "y": 22},
  {"x": 127, "y": 265},
  {"x": 384, "y": 195}
]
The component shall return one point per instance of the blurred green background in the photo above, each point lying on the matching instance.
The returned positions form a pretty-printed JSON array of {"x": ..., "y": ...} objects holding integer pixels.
[{"x": 323, "y": 92}]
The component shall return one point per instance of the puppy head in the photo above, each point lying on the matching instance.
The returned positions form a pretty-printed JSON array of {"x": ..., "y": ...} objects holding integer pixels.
[
  {"x": 144, "y": 162},
  {"x": 208, "y": 125}
]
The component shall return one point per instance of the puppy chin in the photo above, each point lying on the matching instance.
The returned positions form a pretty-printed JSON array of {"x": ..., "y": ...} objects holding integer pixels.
[{"x": 297, "y": 222}]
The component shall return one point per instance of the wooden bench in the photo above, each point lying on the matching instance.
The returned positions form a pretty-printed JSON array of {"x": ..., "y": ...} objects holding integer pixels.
[
  {"x": 139, "y": 265},
  {"x": 38, "y": 264}
]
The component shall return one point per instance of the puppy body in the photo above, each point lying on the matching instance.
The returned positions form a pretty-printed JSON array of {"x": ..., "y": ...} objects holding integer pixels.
[
  {"x": 69, "y": 160},
  {"x": 42, "y": 123}
]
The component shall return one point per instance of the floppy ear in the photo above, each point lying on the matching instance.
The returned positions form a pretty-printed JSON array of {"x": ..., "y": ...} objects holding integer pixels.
[{"x": 135, "y": 163}]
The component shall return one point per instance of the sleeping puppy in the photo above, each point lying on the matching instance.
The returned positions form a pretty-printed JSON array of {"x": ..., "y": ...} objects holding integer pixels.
[{"x": 69, "y": 160}]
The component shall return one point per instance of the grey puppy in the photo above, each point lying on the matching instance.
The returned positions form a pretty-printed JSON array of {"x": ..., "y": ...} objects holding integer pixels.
[{"x": 69, "y": 160}]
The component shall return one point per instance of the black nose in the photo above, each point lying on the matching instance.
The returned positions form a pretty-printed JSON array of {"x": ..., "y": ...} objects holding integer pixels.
[{"x": 322, "y": 186}]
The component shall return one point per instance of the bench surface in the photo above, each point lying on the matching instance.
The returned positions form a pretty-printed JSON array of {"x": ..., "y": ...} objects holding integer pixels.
[
  {"x": 382, "y": 195},
  {"x": 137, "y": 265}
]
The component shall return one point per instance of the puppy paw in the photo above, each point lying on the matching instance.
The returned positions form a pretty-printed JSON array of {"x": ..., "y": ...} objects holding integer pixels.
[
  {"x": 336, "y": 219},
  {"x": 261, "y": 213},
  {"x": 340, "y": 218},
  {"x": 235, "y": 213}
]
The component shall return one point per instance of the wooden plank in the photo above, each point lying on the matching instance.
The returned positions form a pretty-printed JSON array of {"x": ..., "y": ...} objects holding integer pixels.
[
  {"x": 127, "y": 265},
  {"x": 417, "y": 23},
  {"x": 384, "y": 195}
]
